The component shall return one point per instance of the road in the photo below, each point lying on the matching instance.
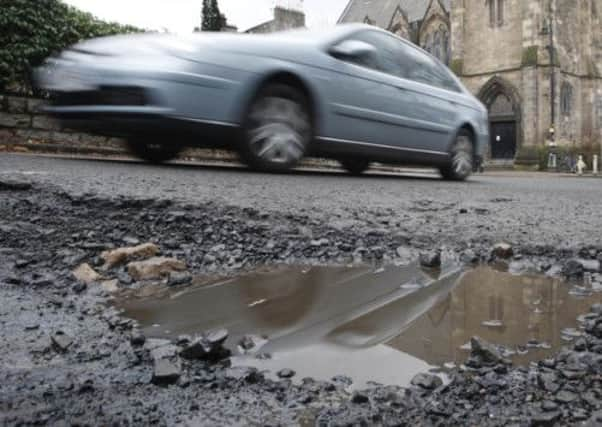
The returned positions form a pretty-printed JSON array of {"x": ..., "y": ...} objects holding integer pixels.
[
  {"x": 519, "y": 207},
  {"x": 65, "y": 345}
]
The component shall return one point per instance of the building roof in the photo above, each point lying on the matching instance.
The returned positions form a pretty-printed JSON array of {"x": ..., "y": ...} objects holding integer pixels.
[{"x": 381, "y": 11}]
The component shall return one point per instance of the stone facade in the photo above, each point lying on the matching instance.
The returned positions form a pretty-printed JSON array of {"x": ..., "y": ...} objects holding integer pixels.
[
  {"x": 536, "y": 64},
  {"x": 284, "y": 19}
]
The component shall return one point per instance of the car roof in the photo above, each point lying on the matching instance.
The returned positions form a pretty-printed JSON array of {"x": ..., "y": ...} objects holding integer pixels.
[{"x": 322, "y": 35}]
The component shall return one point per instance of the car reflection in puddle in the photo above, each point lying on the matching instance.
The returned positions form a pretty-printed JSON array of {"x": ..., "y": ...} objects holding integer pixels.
[{"x": 382, "y": 325}]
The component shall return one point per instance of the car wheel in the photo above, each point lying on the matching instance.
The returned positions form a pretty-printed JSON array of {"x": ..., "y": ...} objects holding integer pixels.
[
  {"x": 461, "y": 158},
  {"x": 278, "y": 129},
  {"x": 355, "y": 166},
  {"x": 153, "y": 151}
]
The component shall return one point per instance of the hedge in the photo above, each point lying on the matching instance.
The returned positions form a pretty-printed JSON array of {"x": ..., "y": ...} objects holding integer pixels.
[
  {"x": 32, "y": 30},
  {"x": 537, "y": 155}
]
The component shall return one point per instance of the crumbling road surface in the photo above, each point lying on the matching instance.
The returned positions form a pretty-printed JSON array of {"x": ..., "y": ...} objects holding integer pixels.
[{"x": 76, "y": 235}]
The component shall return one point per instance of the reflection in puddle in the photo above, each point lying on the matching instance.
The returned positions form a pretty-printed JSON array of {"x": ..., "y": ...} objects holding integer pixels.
[
  {"x": 531, "y": 315},
  {"x": 382, "y": 325}
]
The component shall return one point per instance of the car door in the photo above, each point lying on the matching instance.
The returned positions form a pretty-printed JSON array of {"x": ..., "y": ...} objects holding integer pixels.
[
  {"x": 367, "y": 105},
  {"x": 435, "y": 95}
]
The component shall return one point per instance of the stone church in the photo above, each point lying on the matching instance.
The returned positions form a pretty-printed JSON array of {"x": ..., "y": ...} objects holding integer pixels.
[{"x": 536, "y": 64}]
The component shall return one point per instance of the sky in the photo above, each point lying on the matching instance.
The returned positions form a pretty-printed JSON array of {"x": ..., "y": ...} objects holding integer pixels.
[{"x": 181, "y": 16}]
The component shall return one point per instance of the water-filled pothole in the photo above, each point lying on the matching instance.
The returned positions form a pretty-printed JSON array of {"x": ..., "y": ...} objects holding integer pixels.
[{"x": 382, "y": 325}]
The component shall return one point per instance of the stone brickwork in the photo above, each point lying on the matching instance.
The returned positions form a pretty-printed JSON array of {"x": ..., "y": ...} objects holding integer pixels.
[{"x": 23, "y": 127}]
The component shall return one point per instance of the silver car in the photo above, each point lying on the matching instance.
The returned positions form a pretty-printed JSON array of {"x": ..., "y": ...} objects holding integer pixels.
[{"x": 352, "y": 93}]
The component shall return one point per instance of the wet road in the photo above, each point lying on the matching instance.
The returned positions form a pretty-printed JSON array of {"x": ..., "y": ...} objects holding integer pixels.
[
  {"x": 520, "y": 207},
  {"x": 373, "y": 324}
]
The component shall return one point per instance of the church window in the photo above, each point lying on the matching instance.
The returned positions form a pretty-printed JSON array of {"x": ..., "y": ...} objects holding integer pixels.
[
  {"x": 437, "y": 44},
  {"x": 496, "y": 12},
  {"x": 566, "y": 99},
  {"x": 428, "y": 44},
  {"x": 500, "y": 13}
]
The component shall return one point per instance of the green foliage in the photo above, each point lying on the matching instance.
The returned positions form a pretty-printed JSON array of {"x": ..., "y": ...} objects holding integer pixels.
[
  {"x": 530, "y": 56},
  {"x": 537, "y": 156},
  {"x": 529, "y": 157},
  {"x": 457, "y": 66},
  {"x": 31, "y": 30},
  {"x": 212, "y": 18}
]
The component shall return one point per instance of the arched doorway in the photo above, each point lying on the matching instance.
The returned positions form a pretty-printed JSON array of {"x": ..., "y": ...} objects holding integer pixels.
[{"x": 503, "y": 103}]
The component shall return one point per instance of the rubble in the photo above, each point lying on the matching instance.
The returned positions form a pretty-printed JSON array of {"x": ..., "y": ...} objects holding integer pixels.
[
  {"x": 110, "y": 286},
  {"x": 154, "y": 268},
  {"x": 208, "y": 346},
  {"x": 178, "y": 278},
  {"x": 483, "y": 353},
  {"x": 573, "y": 269},
  {"x": 166, "y": 371},
  {"x": 115, "y": 257},
  {"x": 86, "y": 274},
  {"x": 89, "y": 365},
  {"x": 427, "y": 381},
  {"x": 61, "y": 341},
  {"x": 285, "y": 373},
  {"x": 431, "y": 259},
  {"x": 503, "y": 250}
]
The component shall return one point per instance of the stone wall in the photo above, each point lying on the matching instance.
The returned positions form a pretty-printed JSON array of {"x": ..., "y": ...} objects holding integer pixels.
[
  {"x": 24, "y": 128},
  {"x": 490, "y": 49}
]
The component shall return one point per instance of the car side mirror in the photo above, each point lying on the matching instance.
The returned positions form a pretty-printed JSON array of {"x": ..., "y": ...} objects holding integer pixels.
[{"x": 353, "y": 50}]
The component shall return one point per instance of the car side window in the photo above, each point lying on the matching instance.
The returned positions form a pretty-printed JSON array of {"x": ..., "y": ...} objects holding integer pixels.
[
  {"x": 423, "y": 68},
  {"x": 388, "y": 58},
  {"x": 402, "y": 60}
]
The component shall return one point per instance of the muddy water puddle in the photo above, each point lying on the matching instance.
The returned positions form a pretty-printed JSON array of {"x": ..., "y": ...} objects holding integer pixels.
[{"x": 383, "y": 325}]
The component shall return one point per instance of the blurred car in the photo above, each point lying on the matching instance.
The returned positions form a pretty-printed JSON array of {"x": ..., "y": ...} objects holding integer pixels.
[{"x": 354, "y": 93}]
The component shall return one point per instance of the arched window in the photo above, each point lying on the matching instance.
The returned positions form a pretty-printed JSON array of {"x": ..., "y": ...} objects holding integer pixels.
[
  {"x": 500, "y": 13},
  {"x": 566, "y": 99},
  {"x": 496, "y": 13},
  {"x": 445, "y": 48},
  {"x": 428, "y": 43},
  {"x": 437, "y": 44}
]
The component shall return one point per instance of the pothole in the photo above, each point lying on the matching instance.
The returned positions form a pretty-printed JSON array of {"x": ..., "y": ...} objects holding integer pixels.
[{"x": 372, "y": 325}]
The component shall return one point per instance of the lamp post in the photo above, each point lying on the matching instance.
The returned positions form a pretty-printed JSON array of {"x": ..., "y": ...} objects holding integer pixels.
[
  {"x": 552, "y": 157},
  {"x": 552, "y": 50}
]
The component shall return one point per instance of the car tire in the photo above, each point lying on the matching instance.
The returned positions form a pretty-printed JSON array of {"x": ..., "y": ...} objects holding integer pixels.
[
  {"x": 355, "y": 166},
  {"x": 277, "y": 130},
  {"x": 153, "y": 151},
  {"x": 461, "y": 161}
]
